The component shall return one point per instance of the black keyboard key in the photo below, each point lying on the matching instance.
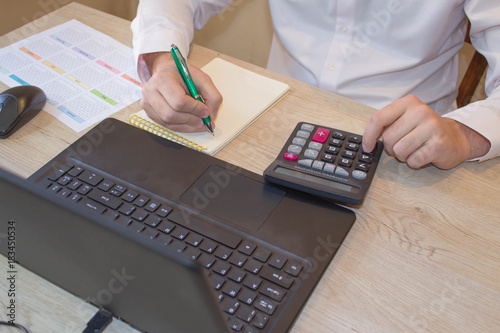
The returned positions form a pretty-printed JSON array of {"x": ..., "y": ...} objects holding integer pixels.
[
  {"x": 273, "y": 291},
  {"x": 124, "y": 220},
  {"x": 260, "y": 320},
  {"x": 231, "y": 289},
  {"x": 293, "y": 268},
  {"x": 166, "y": 227},
  {"x": 152, "y": 221},
  {"x": 58, "y": 172},
  {"x": 90, "y": 178},
  {"x": 230, "y": 305},
  {"x": 141, "y": 201},
  {"x": 163, "y": 239},
  {"x": 247, "y": 247},
  {"x": 139, "y": 215},
  {"x": 136, "y": 227},
  {"x": 221, "y": 267},
  {"x": 111, "y": 215},
  {"x": 236, "y": 324},
  {"x": 130, "y": 196},
  {"x": 223, "y": 252},
  {"x": 150, "y": 233},
  {"x": 164, "y": 210},
  {"x": 75, "y": 171},
  {"x": 177, "y": 246},
  {"x": 192, "y": 253},
  {"x": 275, "y": 276},
  {"x": 208, "y": 246},
  {"x": 75, "y": 184},
  {"x": 64, "y": 180},
  {"x": 253, "y": 266},
  {"x": 194, "y": 239},
  {"x": 206, "y": 260},
  {"x": 247, "y": 296},
  {"x": 126, "y": 209},
  {"x": 246, "y": 313},
  {"x": 252, "y": 282},
  {"x": 92, "y": 205},
  {"x": 277, "y": 261},
  {"x": 55, "y": 188},
  {"x": 236, "y": 274},
  {"x": 262, "y": 254},
  {"x": 217, "y": 281},
  {"x": 84, "y": 190},
  {"x": 266, "y": 305},
  {"x": 238, "y": 259},
  {"x": 105, "y": 199},
  {"x": 207, "y": 229},
  {"x": 180, "y": 233},
  {"x": 152, "y": 206},
  {"x": 105, "y": 185}
]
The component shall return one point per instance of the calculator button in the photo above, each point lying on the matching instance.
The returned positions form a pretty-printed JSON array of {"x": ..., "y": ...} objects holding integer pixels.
[
  {"x": 321, "y": 135},
  {"x": 341, "y": 172},
  {"x": 362, "y": 166},
  {"x": 328, "y": 158},
  {"x": 294, "y": 149},
  {"x": 345, "y": 162},
  {"x": 307, "y": 127},
  {"x": 349, "y": 154},
  {"x": 332, "y": 150},
  {"x": 355, "y": 139},
  {"x": 336, "y": 142},
  {"x": 306, "y": 162},
  {"x": 352, "y": 146},
  {"x": 315, "y": 145},
  {"x": 318, "y": 165},
  {"x": 303, "y": 134},
  {"x": 299, "y": 141},
  {"x": 365, "y": 158},
  {"x": 310, "y": 153},
  {"x": 329, "y": 167},
  {"x": 339, "y": 135},
  {"x": 290, "y": 157},
  {"x": 358, "y": 174}
]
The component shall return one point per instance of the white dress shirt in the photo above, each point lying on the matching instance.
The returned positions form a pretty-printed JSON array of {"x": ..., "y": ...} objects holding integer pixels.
[{"x": 373, "y": 52}]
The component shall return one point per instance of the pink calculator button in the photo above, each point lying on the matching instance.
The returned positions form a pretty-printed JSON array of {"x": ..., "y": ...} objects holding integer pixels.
[
  {"x": 321, "y": 135},
  {"x": 290, "y": 157}
]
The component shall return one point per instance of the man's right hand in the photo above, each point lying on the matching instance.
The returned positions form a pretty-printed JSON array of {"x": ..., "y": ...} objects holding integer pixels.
[{"x": 166, "y": 98}]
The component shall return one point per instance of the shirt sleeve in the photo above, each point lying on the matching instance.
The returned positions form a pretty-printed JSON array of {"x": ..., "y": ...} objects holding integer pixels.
[
  {"x": 484, "y": 116},
  {"x": 159, "y": 24}
]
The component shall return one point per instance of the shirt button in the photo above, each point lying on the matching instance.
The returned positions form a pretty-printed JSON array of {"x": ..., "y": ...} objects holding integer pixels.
[
  {"x": 343, "y": 29},
  {"x": 332, "y": 67}
]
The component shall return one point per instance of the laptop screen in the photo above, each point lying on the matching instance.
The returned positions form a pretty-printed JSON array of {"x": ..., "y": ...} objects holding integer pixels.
[{"x": 136, "y": 281}]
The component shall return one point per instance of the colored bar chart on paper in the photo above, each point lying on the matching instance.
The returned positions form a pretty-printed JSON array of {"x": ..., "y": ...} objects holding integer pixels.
[{"x": 86, "y": 75}]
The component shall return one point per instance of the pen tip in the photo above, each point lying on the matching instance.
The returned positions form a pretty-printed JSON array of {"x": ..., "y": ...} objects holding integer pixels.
[{"x": 210, "y": 128}]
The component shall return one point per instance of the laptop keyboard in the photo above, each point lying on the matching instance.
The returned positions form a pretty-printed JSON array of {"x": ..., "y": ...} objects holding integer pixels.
[{"x": 251, "y": 279}]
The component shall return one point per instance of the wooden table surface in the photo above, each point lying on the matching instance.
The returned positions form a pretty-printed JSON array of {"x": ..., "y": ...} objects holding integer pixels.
[{"x": 423, "y": 255}]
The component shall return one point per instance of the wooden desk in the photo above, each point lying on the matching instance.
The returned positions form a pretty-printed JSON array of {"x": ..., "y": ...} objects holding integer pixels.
[{"x": 423, "y": 255}]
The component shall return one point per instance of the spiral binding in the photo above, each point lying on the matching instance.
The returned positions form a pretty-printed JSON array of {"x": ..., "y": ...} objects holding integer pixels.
[{"x": 163, "y": 132}]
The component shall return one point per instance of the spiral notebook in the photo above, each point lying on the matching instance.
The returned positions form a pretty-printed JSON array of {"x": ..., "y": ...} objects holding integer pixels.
[{"x": 247, "y": 95}]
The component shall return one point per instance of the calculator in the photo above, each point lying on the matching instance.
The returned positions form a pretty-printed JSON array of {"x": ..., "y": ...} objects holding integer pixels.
[{"x": 326, "y": 162}]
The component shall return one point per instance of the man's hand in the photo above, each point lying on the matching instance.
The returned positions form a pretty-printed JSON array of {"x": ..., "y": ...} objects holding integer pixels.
[
  {"x": 417, "y": 135},
  {"x": 166, "y": 99}
]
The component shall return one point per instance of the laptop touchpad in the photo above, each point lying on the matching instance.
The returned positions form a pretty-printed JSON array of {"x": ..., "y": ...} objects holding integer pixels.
[{"x": 233, "y": 197}]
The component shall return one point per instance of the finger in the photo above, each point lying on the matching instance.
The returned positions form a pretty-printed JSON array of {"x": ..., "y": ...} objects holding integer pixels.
[
  {"x": 409, "y": 143},
  {"x": 206, "y": 87},
  {"x": 380, "y": 120}
]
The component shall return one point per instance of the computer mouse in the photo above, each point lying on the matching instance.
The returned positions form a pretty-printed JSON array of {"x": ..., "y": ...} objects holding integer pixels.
[{"x": 18, "y": 105}]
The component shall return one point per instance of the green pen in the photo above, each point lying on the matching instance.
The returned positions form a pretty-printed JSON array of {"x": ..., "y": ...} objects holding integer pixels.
[{"x": 186, "y": 76}]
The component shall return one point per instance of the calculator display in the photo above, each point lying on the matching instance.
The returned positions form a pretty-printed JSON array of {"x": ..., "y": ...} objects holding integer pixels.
[{"x": 311, "y": 178}]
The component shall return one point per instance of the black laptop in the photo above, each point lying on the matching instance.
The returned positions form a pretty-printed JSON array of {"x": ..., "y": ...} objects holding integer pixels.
[{"x": 170, "y": 239}]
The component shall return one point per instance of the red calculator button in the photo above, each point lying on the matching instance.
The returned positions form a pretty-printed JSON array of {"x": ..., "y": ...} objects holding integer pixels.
[
  {"x": 321, "y": 135},
  {"x": 290, "y": 157}
]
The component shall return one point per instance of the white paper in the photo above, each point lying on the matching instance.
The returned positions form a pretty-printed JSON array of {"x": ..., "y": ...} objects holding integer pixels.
[{"x": 86, "y": 75}]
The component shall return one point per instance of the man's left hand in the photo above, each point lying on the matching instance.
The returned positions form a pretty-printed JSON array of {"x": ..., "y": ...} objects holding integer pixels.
[{"x": 416, "y": 134}]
